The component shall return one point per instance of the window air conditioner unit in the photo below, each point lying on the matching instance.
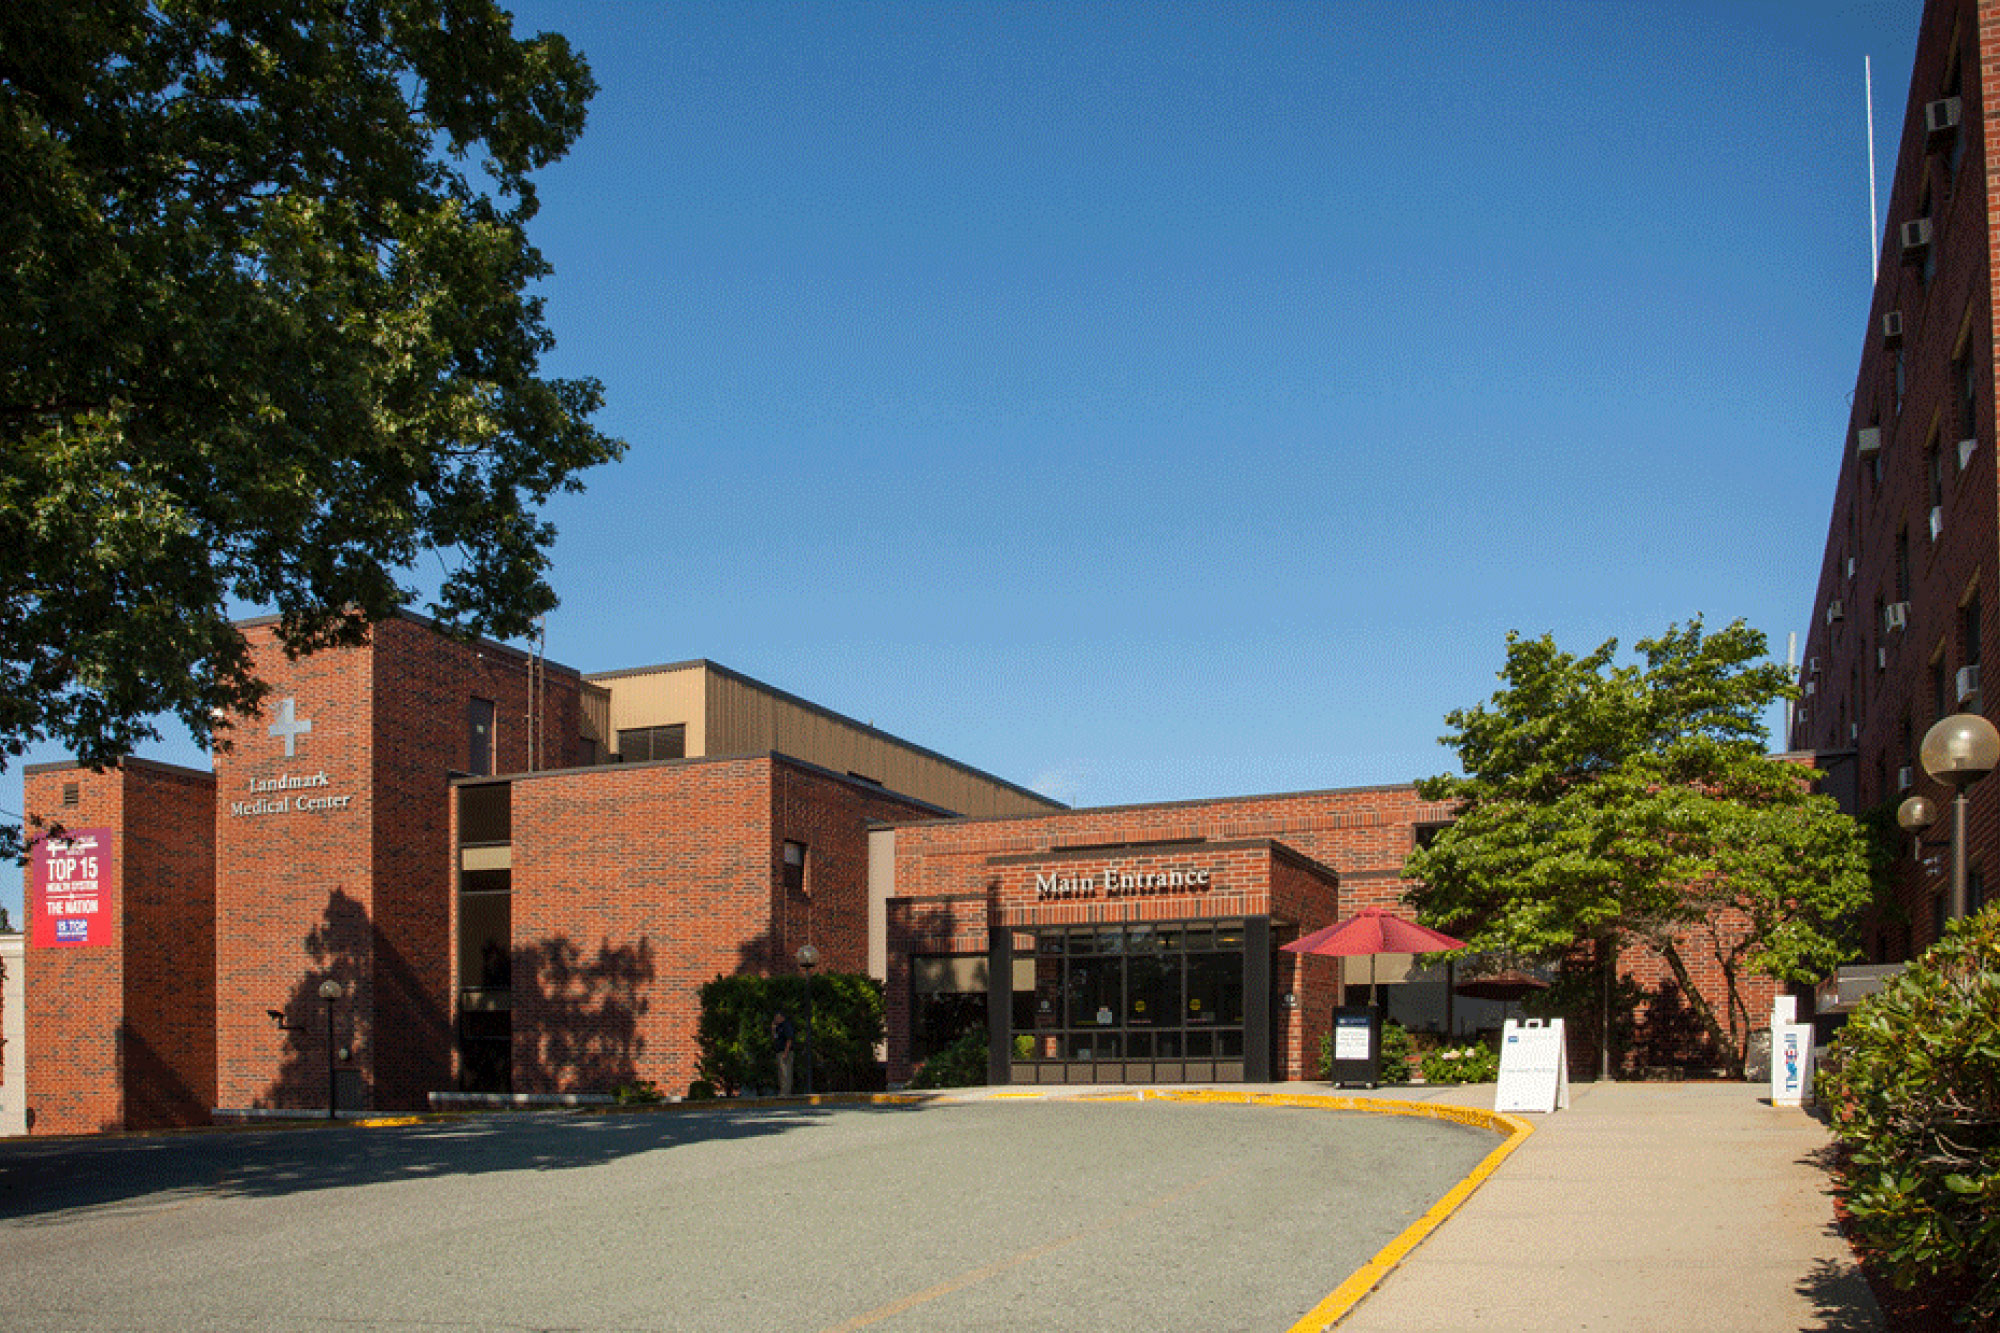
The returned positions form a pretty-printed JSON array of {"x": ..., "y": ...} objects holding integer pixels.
[
  {"x": 1896, "y": 615},
  {"x": 1881, "y": 659},
  {"x": 1850, "y": 566},
  {"x": 1867, "y": 441},
  {"x": 1903, "y": 779},
  {"x": 1937, "y": 521},
  {"x": 1833, "y": 611},
  {"x": 1853, "y": 732},
  {"x": 1812, "y": 688},
  {"x": 1916, "y": 235},
  {"x": 1965, "y": 448},
  {"x": 1968, "y": 682},
  {"x": 1892, "y": 328},
  {"x": 1941, "y": 116},
  {"x": 1812, "y": 666}
]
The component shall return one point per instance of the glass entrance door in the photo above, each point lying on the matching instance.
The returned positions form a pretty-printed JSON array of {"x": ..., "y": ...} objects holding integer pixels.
[{"x": 1137, "y": 1003}]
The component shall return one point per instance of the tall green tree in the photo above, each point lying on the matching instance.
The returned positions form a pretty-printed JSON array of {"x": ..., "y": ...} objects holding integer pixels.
[
  {"x": 1634, "y": 804},
  {"x": 268, "y": 336}
]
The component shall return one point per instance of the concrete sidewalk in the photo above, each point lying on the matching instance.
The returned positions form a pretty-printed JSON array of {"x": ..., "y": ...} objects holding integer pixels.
[{"x": 1643, "y": 1206}]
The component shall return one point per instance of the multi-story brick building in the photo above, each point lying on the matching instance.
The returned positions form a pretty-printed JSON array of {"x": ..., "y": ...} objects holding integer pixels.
[
  {"x": 1900, "y": 620},
  {"x": 437, "y": 865},
  {"x": 657, "y": 828}
]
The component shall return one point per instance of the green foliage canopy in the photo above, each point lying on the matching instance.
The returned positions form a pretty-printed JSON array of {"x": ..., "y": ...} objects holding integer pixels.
[
  {"x": 267, "y": 334},
  {"x": 1634, "y": 803}
]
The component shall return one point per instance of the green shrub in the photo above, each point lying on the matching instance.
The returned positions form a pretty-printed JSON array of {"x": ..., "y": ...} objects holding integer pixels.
[
  {"x": 734, "y": 1034},
  {"x": 1395, "y": 1053},
  {"x": 959, "y": 1065},
  {"x": 701, "y": 1090},
  {"x": 1476, "y": 1063},
  {"x": 639, "y": 1092},
  {"x": 1912, "y": 1085}
]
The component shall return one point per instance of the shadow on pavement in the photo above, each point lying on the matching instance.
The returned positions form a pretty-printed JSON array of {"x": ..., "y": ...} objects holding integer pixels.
[
  {"x": 1840, "y": 1298},
  {"x": 49, "y": 1180}
]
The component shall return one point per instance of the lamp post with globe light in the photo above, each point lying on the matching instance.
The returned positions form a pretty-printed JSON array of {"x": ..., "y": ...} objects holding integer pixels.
[
  {"x": 808, "y": 960},
  {"x": 330, "y": 990},
  {"x": 1958, "y": 751}
]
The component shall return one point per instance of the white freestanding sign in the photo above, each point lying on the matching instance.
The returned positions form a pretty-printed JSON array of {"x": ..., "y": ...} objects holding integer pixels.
[
  {"x": 1534, "y": 1067},
  {"x": 1791, "y": 1063}
]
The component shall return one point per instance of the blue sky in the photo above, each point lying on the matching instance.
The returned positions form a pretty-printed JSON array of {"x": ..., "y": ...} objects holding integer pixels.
[{"x": 1163, "y": 401}]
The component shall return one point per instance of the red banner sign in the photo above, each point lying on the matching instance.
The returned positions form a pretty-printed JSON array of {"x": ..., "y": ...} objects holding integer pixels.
[{"x": 71, "y": 903}]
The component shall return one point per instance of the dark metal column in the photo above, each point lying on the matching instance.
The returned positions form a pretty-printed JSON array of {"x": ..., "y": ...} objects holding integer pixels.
[
  {"x": 999, "y": 1003},
  {"x": 1257, "y": 1000}
]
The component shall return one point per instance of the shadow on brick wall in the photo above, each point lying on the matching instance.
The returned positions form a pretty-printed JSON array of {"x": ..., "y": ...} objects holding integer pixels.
[
  {"x": 576, "y": 1017},
  {"x": 156, "y": 1096},
  {"x": 337, "y": 946}
]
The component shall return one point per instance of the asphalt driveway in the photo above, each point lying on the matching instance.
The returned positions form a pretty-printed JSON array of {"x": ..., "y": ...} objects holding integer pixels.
[{"x": 995, "y": 1214}]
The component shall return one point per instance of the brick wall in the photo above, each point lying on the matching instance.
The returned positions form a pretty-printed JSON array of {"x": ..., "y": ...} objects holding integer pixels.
[
  {"x": 123, "y": 1034},
  {"x": 951, "y": 875},
  {"x": 423, "y": 684},
  {"x": 360, "y": 894},
  {"x": 1872, "y": 690},
  {"x": 633, "y": 885},
  {"x": 169, "y": 943},
  {"x": 76, "y": 996}
]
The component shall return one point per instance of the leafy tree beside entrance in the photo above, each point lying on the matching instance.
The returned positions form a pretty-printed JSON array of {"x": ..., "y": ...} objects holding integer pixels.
[{"x": 1604, "y": 806}]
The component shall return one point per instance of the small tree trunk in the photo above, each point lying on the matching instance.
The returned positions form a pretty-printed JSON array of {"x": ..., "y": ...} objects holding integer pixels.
[{"x": 1703, "y": 1010}]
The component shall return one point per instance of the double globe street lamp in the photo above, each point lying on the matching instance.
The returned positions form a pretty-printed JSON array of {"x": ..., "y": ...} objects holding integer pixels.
[{"x": 1957, "y": 751}]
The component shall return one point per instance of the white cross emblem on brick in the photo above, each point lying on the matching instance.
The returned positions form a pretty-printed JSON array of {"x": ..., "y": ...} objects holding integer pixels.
[{"x": 290, "y": 726}]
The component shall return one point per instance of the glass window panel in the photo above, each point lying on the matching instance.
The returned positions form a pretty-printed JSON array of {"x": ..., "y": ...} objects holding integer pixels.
[
  {"x": 1049, "y": 992},
  {"x": 1051, "y": 941},
  {"x": 485, "y": 961},
  {"x": 1214, "y": 988},
  {"x": 1152, "y": 990},
  {"x": 1197, "y": 937},
  {"x": 1082, "y": 941},
  {"x": 1229, "y": 1043},
  {"x": 1167, "y": 1045},
  {"x": 1200, "y": 1045},
  {"x": 485, "y": 813},
  {"x": 1229, "y": 934},
  {"x": 1169, "y": 937},
  {"x": 1111, "y": 941},
  {"x": 1096, "y": 992},
  {"x": 1107, "y": 994},
  {"x": 1141, "y": 939},
  {"x": 1139, "y": 1045}
]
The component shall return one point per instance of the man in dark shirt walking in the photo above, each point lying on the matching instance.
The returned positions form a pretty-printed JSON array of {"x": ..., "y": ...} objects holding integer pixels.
[{"x": 781, "y": 1041}]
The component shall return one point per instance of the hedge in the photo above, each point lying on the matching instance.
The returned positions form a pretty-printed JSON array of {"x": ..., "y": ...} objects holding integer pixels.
[{"x": 1912, "y": 1086}]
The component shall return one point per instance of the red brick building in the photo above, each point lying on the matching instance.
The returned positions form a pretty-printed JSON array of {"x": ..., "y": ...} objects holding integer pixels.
[
  {"x": 1138, "y": 943},
  {"x": 545, "y": 931},
  {"x": 485, "y": 872},
  {"x": 1900, "y": 621}
]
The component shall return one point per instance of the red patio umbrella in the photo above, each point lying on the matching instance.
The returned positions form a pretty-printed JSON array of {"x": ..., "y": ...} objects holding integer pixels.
[{"x": 1372, "y": 931}]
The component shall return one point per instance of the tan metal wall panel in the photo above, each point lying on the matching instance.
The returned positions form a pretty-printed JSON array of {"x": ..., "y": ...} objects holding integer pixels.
[
  {"x": 745, "y": 719},
  {"x": 595, "y": 714},
  {"x": 660, "y": 699}
]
